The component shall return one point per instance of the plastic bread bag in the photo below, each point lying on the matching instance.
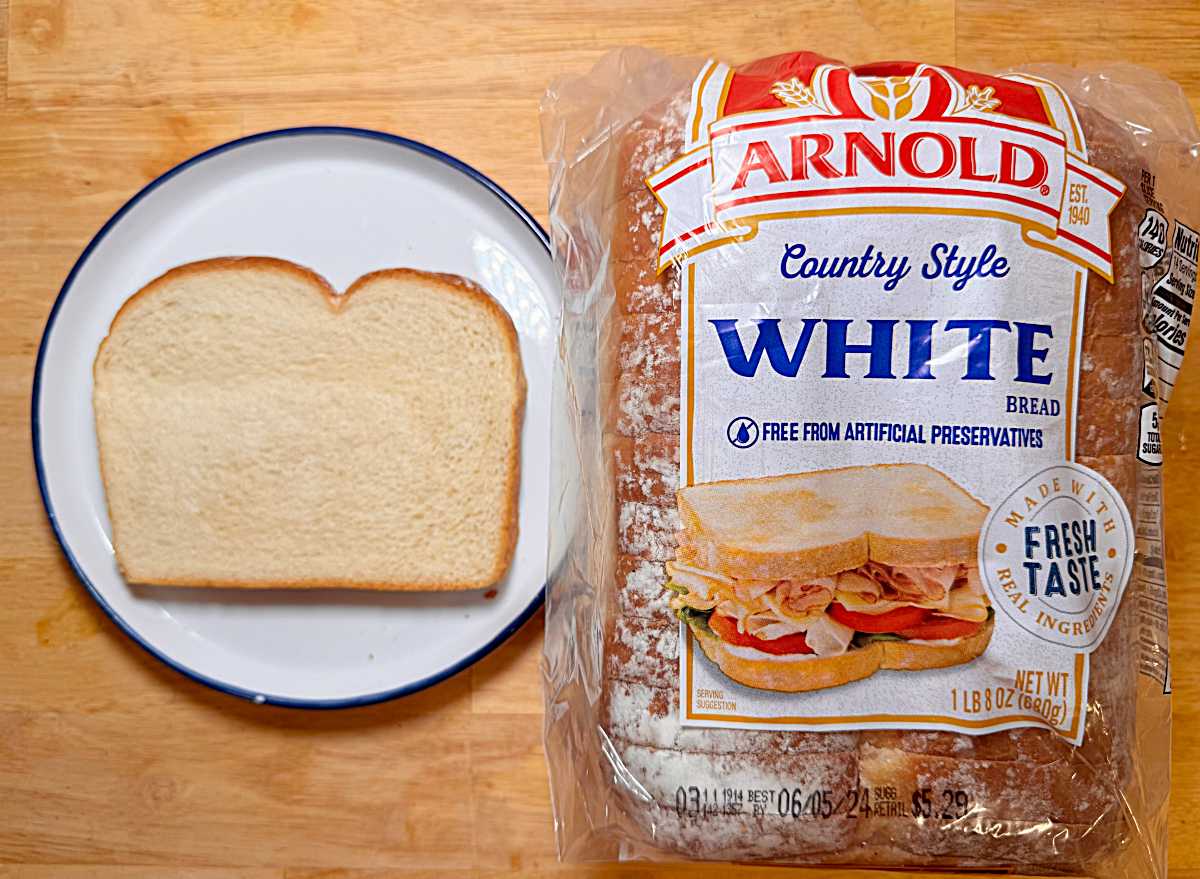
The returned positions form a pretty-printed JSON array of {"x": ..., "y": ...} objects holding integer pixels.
[{"x": 858, "y": 463}]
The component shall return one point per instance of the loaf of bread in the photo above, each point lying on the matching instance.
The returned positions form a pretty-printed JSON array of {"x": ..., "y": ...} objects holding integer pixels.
[
  {"x": 257, "y": 429},
  {"x": 1039, "y": 803}
]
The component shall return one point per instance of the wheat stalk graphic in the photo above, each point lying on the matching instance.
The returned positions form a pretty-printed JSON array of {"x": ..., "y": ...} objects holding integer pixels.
[
  {"x": 981, "y": 99},
  {"x": 794, "y": 93}
]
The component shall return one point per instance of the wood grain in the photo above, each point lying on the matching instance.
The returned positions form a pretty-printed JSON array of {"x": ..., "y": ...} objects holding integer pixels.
[
  {"x": 113, "y": 766},
  {"x": 227, "y": 52},
  {"x": 1160, "y": 35}
]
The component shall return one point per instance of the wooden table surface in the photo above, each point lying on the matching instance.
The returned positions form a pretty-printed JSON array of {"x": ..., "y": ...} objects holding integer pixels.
[{"x": 113, "y": 766}]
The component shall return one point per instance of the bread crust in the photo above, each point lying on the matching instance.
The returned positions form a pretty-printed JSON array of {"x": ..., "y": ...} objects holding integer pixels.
[
  {"x": 765, "y": 834},
  {"x": 648, "y": 716},
  {"x": 207, "y": 266},
  {"x": 458, "y": 286},
  {"x": 647, "y": 468},
  {"x": 639, "y": 587}
]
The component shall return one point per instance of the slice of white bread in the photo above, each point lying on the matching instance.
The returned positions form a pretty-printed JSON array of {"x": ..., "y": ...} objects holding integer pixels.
[
  {"x": 256, "y": 429},
  {"x": 820, "y": 523}
]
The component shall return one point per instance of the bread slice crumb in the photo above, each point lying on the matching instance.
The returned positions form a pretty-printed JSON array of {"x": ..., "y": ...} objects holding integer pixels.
[{"x": 256, "y": 429}]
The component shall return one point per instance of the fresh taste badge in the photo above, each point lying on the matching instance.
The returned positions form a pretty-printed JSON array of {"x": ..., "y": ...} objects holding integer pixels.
[{"x": 1056, "y": 555}]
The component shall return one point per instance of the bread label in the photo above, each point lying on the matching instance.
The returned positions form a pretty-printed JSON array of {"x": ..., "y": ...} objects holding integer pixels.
[
  {"x": 926, "y": 142},
  {"x": 884, "y": 285}
]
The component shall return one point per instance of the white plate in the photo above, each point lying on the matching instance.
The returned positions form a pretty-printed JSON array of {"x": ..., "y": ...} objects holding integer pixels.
[{"x": 343, "y": 202}]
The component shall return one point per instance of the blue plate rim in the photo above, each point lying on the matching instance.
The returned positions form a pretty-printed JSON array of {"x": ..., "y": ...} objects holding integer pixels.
[{"x": 122, "y": 624}]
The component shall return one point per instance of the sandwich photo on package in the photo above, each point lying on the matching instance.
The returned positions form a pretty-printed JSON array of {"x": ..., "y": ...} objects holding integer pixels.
[
  {"x": 868, "y": 366},
  {"x": 808, "y": 591}
]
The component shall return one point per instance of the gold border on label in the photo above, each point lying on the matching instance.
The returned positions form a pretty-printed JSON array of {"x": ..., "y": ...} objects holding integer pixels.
[
  {"x": 724, "y": 96},
  {"x": 691, "y": 365},
  {"x": 1071, "y": 365},
  {"x": 699, "y": 114},
  {"x": 752, "y": 224}
]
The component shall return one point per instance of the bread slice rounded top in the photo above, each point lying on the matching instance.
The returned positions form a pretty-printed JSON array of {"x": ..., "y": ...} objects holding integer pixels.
[{"x": 819, "y": 523}]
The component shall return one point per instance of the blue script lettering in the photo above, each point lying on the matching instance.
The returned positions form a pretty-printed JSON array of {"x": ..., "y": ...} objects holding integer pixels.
[
  {"x": 945, "y": 262},
  {"x": 797, "y": 264}
]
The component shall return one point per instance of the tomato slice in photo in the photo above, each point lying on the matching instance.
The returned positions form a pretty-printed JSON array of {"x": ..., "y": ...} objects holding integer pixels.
[
  {"x": 726, "y": 628},
  {"x": 940, "y": 628},
  {"x": 874, "y": 623}
]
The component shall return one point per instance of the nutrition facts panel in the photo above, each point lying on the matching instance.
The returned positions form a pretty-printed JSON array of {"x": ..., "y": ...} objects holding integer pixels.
[
  {"x": 1149, "y": 578},
  {"x": 1171, "y": 305}
]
